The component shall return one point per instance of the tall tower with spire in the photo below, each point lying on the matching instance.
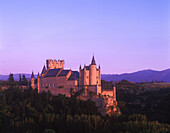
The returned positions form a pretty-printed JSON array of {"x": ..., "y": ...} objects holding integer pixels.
[
  {"x": 90, "y": 76},
  {"x": 92, "y": 72}
]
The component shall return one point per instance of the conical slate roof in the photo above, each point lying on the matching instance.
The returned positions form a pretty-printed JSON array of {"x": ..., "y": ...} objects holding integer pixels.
[{"x": 93, "y": 61}]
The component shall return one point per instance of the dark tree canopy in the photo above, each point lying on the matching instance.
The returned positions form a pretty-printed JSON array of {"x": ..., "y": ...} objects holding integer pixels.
[
  {"x": 27, "y": 110},
  {"x": 11, "y": 78}
]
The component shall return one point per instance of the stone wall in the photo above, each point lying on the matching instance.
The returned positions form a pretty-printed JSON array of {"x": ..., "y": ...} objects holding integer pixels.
[
  {"x": 52, "y": 64},
  {"x": 57, "y": 85},
  {"x": 108, "y": 93}
]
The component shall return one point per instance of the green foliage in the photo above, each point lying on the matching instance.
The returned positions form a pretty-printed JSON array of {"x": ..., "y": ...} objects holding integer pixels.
[
  {"x": 33, "y": 112},
  {"x": 106, "y": 85},
  {"x": 24, "y": 80},
  {"x": 150, "y": 99},
  {"x": 49, "y": 131},
  {"x": 11, "y": 79}
]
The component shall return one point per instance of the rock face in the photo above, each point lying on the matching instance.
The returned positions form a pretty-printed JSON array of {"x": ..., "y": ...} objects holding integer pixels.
[{"x": 106, "y": 105}]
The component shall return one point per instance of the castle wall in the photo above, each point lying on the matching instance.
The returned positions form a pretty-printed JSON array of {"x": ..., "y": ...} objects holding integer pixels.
[
  {"x": 57, "y": 91},
  {"x": 98, "y": 80},
  {"x": 87, "y": 77},
  {"x": 99, "y": 89},
  {"x": 57, "y": 85},
  {"x": 72, "y": 83},
  {"x": 82, "y": 77},
  {"x": 108, "y": 93}
]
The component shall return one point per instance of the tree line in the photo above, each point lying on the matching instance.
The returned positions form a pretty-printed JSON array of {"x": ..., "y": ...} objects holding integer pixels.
[{"x": 32, "y": 112}]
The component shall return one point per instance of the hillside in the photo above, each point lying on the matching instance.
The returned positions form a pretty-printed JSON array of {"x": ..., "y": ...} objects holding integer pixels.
[{"x": 140, "y": 76}]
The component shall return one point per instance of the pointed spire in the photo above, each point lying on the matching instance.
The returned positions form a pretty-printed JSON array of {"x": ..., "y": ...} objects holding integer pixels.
[
  {"x": 93, "y": 61},
  {"x": 32, "y": 75},
  {"x": 38, "y": 74},
  {"x": 99, "y": 66},
  {"x": 44, "y": 70},
  {"x": 80, "y": 67}
]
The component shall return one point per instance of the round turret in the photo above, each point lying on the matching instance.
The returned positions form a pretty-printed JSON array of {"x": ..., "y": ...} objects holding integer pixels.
[{"x": 93, "y": 73}]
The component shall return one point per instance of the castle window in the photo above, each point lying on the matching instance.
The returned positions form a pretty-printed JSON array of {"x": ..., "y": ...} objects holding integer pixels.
[
  {"x": 87, "y": 77},
  {"x": 54, "y": 85}
]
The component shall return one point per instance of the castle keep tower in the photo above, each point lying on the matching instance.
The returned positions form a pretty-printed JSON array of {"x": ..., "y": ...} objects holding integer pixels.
[
  {"x": 93, "y": 73},
  {"x": 90, "y": 76}
]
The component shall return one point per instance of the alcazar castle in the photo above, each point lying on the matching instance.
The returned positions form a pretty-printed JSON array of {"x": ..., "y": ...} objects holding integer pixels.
[{"x": 87, "y": 80}]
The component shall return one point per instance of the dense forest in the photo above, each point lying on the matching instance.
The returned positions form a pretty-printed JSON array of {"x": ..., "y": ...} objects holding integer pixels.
[{"x": 27, "y": 111}]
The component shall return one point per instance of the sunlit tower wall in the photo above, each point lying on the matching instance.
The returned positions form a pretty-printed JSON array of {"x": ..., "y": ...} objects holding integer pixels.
[{"x": 93, "y": 73}]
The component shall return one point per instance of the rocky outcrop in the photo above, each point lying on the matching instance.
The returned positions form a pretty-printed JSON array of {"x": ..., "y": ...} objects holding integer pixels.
[{"x": 105, "y": 104}]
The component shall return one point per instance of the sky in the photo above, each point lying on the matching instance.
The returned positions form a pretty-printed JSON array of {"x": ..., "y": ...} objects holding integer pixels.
[{"x": 124, "y": 35}]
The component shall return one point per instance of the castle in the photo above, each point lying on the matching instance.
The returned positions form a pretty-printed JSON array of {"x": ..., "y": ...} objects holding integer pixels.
[{"x": 57, "y": 80}]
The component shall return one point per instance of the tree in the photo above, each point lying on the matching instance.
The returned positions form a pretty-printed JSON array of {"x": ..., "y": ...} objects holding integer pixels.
[
  {"x": 49, "y": 131},
  {"x": 11, "y": 78},
  {"x": 24, "y": 80},
  {"x": 20, "y": 80}
]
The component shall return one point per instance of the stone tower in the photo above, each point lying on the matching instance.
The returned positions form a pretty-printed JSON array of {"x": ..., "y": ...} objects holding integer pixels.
[
  {"x": 92, "y": 72},
  {"x": 90, "y": 76},
  {"x": 54, "y": 64},
  {"x": 32, "y": 81}
]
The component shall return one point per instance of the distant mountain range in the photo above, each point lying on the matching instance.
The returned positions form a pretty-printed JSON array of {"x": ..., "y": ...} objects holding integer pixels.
[{"x": 139, "y": 76}]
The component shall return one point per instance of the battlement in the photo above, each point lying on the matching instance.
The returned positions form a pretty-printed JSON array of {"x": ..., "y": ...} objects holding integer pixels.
[{"x": 54, "y": 64}]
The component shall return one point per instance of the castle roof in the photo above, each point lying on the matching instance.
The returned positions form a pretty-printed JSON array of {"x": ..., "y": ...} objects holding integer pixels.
[
  {"x": 74, "y": 75},
  {"x": 63, "y": 72},
  {"x": 52, "y": 72},
  {"x": 93, "y": 61}
]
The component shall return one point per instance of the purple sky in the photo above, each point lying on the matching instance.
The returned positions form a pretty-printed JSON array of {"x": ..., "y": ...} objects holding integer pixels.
[{"x": 124, "y": 35}]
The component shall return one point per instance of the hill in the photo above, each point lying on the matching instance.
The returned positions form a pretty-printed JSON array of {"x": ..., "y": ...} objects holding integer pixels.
[{"x": 140, "y": 76}]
